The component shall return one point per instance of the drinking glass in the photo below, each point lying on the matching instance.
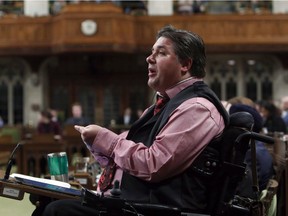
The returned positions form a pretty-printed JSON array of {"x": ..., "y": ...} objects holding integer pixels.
[{"x": 58, "y": 166}]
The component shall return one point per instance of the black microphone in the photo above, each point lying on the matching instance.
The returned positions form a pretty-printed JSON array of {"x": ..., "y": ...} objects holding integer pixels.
[{"x": 10, "y": 162}]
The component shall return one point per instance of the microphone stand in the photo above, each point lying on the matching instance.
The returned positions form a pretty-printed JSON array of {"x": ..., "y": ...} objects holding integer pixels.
[{"x": 10, "y": 163}]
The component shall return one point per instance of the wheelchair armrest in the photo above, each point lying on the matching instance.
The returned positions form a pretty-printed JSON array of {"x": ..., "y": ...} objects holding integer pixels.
[{"x": 156, "y": 209}]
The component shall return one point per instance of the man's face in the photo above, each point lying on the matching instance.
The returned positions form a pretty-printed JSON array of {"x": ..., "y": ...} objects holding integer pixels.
[
  {"x": 77, "y": 111},
  {"x": 164, "y": 68}
]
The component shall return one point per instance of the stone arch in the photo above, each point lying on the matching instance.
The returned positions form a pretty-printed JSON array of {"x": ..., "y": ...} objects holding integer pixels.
[
  {"x": 250, "y": 71},
  {"x": 13, "y": 71}
]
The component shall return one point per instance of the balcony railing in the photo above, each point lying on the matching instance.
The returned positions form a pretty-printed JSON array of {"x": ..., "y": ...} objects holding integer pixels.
[{"x": 120, "y": 32}]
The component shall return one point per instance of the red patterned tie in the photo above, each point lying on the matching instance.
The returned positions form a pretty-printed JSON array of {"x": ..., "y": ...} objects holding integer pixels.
[
  {"x": 105, "y": 181},
  {"x": 160, "y": 103}
]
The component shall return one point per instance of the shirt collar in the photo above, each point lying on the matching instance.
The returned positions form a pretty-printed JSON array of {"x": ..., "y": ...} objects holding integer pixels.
[{"x": 171, "y": 92}]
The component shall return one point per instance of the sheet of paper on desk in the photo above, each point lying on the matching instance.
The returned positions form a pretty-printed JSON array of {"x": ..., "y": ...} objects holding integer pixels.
[
  {"x": 47, "y": 184},
  {"x": 20, "y": 177}
]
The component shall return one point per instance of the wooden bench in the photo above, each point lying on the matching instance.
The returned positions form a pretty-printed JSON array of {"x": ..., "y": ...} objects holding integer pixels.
[{"x": 34, "y": 153}]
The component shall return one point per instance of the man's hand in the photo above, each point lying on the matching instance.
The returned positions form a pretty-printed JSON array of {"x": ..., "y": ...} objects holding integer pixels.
[{"x": 88, "y": 133}]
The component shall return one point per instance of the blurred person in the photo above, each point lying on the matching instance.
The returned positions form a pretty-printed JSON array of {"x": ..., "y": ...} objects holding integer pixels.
[
  {"x": 241, "y": 100},
  {"x": 77, "y": 117},
  {"x": 139, "y": 113},
  {"x": 54, "y": 116},
  {"x": 185, "y": 7},
  {"x": 226, "y": 105},
  {"x": 271, "y": 114},
  {"x": 284, "y": 108},
  {"x": 264, "y": 159},
  {"x": 128, "y": 117},
  {"x": 137, "y": 7},
  {"x": 57, "y": 6},
  {"x": 46, "y": 125},
  {"x": 1, "y": 122}
]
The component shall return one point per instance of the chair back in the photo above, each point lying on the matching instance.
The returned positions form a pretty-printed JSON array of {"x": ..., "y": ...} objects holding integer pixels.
[{"x": 225, "y": 157}]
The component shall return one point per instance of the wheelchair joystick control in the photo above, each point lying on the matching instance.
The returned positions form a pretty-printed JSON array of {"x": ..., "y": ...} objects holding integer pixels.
[{"x": 115, "y": 191}]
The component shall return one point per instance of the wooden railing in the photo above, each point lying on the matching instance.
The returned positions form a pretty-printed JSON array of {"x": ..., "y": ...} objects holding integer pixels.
[
  {"x": 119, "y": 32},
  {"x": 31, "y": 156}
]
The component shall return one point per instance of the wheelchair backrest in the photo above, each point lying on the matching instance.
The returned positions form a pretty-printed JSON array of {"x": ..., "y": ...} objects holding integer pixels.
[{"x": 222, "y": 161}]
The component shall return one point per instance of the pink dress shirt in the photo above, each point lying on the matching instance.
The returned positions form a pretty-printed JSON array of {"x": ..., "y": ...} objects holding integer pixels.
[{"x": 190, "y": 128}]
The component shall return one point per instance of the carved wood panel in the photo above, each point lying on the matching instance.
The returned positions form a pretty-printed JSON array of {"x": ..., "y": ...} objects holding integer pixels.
[{"x": 118, "y": 32}]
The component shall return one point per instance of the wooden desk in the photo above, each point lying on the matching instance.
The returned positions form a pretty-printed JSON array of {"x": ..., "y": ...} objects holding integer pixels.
[
  {"x": 6, "y": 147},
  {"x": 16, "y": 191},
  {"x": 16, "y": 188},
  {"x": 34, "y": 153}
]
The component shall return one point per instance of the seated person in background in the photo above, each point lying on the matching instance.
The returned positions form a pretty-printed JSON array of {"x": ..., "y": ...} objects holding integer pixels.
[
  {"x": 46, "y": 125},
  {"x": 54, "y": 114},
  {"x": 134, "y": 7},
  {"x": 1, "y": 122},
  {"x": 264, "y": 159},
  {"x": 241, "y": 100},
  {"x": 127, "y": 118},
  {"x": 153, "y": 161},
  {"x": 77, "y": 117},
  {"x": 139, "y": 113},
  {"x": 273, "y": 122},
  {"x": 185, "y": 6},
  {"x": 284, "y": 109}
]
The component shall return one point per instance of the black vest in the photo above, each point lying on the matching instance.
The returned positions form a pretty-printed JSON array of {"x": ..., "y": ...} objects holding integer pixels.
[{"x": 187, "y": 190}]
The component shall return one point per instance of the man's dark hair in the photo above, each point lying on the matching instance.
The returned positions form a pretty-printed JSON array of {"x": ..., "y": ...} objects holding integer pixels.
[{"x": 187, "y": 45}]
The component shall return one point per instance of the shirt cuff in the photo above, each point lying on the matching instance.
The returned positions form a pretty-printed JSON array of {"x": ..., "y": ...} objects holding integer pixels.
[{"x": 105, "y": 142}]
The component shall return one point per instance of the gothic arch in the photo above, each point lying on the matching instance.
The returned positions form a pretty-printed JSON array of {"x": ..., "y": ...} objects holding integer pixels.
[
  {"x": 13, "y": 77},
  {"x": 253, "y": 76}
]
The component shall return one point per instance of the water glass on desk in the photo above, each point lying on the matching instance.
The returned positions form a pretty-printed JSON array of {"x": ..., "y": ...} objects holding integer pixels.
[
  {"x": 81, "y": 165},
  {"x": 58, "y": 166}
]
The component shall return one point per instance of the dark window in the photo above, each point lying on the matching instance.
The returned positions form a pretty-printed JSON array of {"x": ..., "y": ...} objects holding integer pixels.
[
  {"x": 18, "y": 103},
  {"x": 4, "y": 102},
  {"x": 251, "y": 89}
]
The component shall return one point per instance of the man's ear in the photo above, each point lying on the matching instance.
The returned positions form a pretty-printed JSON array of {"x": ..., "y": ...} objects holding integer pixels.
[{"x": 186, "y": 65}]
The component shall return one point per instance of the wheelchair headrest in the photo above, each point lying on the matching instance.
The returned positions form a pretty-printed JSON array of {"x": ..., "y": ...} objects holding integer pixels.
[
  {"x": 242, "y": 119},
  {"x": 258, "y": 120}
]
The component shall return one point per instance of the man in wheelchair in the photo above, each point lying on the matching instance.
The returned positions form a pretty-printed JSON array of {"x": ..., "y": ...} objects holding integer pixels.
[{"x": 173, "y": 160}]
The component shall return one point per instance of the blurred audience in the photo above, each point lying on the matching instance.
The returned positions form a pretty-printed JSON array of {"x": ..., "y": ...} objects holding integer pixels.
[
  {"x": 139, "y": 7},
  {"x": 264, "y": 160}
]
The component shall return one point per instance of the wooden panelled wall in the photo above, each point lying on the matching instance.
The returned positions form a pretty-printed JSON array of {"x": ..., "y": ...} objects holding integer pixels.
[{"x": 118, "y": 32}]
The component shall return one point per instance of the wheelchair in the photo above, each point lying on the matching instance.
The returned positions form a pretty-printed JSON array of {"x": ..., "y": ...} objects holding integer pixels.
[{"x": 231, "y": 148}]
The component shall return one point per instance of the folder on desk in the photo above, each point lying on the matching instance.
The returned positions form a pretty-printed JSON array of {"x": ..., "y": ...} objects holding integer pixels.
[{"x": 48, "y": 184}]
